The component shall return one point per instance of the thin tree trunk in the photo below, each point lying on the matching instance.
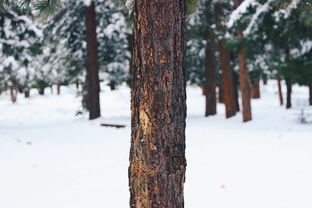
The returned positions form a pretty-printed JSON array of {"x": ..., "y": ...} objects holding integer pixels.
[
  {"x": 280, "y": 93},
  {"x": 289, "y": 91},
  {"x": 310, "y": 94},
  {"x": 112, "y": 85},
  {"x": 13, "y": 93},
  {"x": 226, "y": 71},
  {"x": 236, "y": 90},
  {"x": 220, "y": 94},
  {"x": 211, "y": 76},
  {"x": 158, "y": 105},
  {"x": 41, "y": 90},
  {"x": 58, "y": 89},
  {"x": 265, "y": 79},
  {"x": 255, "y": 89},
  {"x": 27, "y": 93},
  {"x": 244, "y": 84},
  {"x": 92, "y": 63}
]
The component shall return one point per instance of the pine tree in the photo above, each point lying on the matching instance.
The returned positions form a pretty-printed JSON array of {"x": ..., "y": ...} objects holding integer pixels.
[{"x": 157, "y": 156}]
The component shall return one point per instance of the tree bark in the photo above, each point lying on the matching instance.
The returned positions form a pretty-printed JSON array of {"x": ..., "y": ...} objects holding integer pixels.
[
  {"x": 158, "y": 105},
  {"x": 92, "y": 63},
  {"x": 220, "y": 94},
  {"x": 289, "y": 91},
  {"x": 255, "y": 89},
  {"x": 280, "y": 92},
  {"x": 310, "y": 94},
  {"x": 211, "y": 76}
]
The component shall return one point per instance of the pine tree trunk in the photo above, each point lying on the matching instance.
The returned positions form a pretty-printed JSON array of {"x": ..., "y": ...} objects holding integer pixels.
[
  {"x": 92, "y": 63},
  {"x": 289, "y": 91},
  {"x": 244, "y": 85},
  {"x": 255, "y": 89},
  {"x": 58, "y": 89},
  {"x": 41, "y": 90},
  {"x": 13, "y": 93},
  {"x": 280, "y": 93},
  {"x": 112, "y": 85},
  {"x": 211, "y": 76},
  {"x": 227, "y": 82},
  {"x": 265, "y": 79},
  {"x": 310, "y": 92},
  {"x": 158, "y": 105},
  {"x": 27, "y": 93},
  {"x": 220, "y": 94},
  {"x": 226, "y": 71}
]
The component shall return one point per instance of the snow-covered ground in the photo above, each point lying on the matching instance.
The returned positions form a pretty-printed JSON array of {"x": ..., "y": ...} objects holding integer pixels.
[{"x": 53, "y": 159}]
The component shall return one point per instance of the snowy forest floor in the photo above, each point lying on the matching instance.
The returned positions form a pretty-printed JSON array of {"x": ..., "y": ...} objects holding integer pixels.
[{"x": 53, "y": 159}]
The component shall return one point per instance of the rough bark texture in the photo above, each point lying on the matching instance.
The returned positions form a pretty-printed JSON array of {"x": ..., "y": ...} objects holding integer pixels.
[
  {"x": 92, "y": 63},
  {"x": 255, "y": 89},
  {"x": 289, "y": 91},
  {"x": 211, "y": 76},
  {"x": 310, "y": 94},
  {"x": 244, "y": 84},
  {"x": 280, "y": 92},
  {"x": 158, "y": 105}
]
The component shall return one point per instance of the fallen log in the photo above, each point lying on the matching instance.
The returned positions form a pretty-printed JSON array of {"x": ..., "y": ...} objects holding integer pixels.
[{"x": 113, "y": 125}]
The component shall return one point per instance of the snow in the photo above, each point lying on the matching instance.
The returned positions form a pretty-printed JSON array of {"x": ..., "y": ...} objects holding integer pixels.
[{"x": 53, "y": 159}]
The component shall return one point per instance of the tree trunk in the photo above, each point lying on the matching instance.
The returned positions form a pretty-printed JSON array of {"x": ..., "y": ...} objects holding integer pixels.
[
  {"x": 92, "y": 63},
  {"x": 27, "y": 93},
  {"x": 58, "y": 89},
  {"x": 227, "y": 82},
  {"x": 220, "y": 94},
  {"x": 244, "y": 84},
  {"x": 310, "y": 92},
  {"x": 236, "y": 90},
  {"x": 158, "y": 105},
  {"x": 280, "y": 93},
  {"x": 112, "y": 85},
  {"x": 255, "y": 89},
  {"x": 226, "y": 71},
  {"x": 289, "y": 91},
  {"x": 265, "y": 79},
  {"x": 211, "y": 76},
  {"x": 41, "y": 90},
  {"x": 13, "y": 93}
]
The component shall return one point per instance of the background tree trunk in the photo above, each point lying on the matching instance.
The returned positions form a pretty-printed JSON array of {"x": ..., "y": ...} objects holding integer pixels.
[
  {"x": 255, "y": 89},
  {"x": 27, "y": 93},
  {"x": 92, "y": 64},
  {"x": 310, "y": 92},
  {"x": 210, "y": 76},
  {"x": 41, "y": 90},
  {"x": 280, "y": 92},
  {"x": 226, "y": 71},
  {"x": 13, "y": 94},
  {"x": 158, "y": 105},
  {"x": 289, "y": 91},
  {"x": 244, "y": 84},
  {"x": 220, "y": 94},
  {"x": 58, "y": 88}
]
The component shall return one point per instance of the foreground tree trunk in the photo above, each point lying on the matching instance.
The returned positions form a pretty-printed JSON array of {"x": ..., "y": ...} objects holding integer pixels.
[
  {"x": 211, "y": 76},
  {"x": 92, "y": 63},
  {"x": 255, "y": 90},
  {"x": 310, "y": 93},
  {"x": 280, "y": 92},
  {"x": 158, "y": 105},
  {"x": 289, "y": 91}
]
